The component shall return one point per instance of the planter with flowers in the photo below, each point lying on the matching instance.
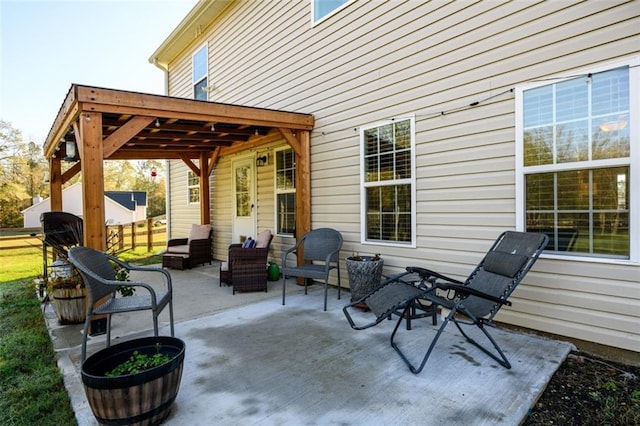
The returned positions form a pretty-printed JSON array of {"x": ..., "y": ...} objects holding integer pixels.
[{"x": 67, "y": 293}]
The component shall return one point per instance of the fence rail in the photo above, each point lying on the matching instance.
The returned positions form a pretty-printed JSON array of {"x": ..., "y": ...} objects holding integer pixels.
[{"x": 149, "y": 233}]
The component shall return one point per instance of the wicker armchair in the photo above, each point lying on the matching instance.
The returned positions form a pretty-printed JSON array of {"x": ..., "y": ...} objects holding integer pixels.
[
  {"x": 99, "y": 275},
  {"x": 189, "y": 252},
  {"x": 246, "y": 268}
]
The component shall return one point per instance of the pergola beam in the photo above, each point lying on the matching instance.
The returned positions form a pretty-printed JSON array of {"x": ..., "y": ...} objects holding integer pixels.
[{"x": 124, "y": 134}]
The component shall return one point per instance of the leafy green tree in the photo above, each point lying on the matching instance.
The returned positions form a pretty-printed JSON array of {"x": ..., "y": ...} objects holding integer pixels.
[
  {"x": 16, "y": 175},
  {"x": 150, "y": 178}
]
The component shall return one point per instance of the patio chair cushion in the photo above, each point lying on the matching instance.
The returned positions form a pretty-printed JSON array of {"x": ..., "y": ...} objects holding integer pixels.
[
  {"x": 199, "y": 232},
  {"x": 263, "y": 239},
  {"x": 181, "y": 249},
  {"x": 505, "y": 264}
]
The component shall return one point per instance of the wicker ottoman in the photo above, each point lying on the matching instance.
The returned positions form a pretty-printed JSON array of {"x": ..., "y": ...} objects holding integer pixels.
[{"x": 175, "y": 261}]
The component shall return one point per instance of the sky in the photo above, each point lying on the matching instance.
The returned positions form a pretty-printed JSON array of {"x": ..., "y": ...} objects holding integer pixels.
[{"x": 48, "y": 45}]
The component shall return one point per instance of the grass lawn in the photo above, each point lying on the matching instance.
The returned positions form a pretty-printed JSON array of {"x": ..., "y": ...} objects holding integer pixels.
[
  {"x": 32, "y": 390},
  {"x": 31, "y": 386}
]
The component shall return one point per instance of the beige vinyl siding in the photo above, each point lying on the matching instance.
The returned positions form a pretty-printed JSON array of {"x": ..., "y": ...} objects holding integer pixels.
[
  {"x": 182, "y": 214},
  {"x": 377, "y": 60}
]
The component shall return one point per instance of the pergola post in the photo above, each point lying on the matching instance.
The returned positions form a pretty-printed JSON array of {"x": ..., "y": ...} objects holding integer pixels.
[
  {"x": 55, "y": 183},
  {"x": 303, "y": 184},
  {"x": 93, "y": 180},
  {"x": 205, "y": 202}
]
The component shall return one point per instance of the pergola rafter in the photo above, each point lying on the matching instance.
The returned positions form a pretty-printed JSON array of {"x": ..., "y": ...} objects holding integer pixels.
[{"x": 109, "y": 124}]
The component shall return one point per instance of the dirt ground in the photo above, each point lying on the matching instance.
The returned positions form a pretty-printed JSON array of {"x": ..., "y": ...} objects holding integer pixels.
[{"x": 587, "y": 390}]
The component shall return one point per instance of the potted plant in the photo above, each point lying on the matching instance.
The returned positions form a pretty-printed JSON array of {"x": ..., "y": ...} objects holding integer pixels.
[
  {"x": 67, "y": 293},
  {"x": 365, "y": 273},
  {"x": 64, "y": 286},
  {"x": 134, "y": 382}
]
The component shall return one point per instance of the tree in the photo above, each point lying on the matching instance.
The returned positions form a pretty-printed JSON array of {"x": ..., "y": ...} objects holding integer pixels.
[
  {"x": 150, "y": 178},
  {"x": 21, "y": 174}
]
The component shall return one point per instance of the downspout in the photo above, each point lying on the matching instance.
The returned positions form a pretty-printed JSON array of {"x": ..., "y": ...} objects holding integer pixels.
[{"x": 167, "y": 163}]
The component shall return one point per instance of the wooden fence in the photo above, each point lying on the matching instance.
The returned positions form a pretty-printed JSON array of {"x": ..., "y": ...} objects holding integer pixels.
[{"x": 150, "y": 233}]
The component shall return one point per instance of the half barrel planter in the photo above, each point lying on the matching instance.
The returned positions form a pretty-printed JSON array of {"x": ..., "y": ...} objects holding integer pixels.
[
  {"x": 70, "y": 304},
  {"x": 143, "y": 398}
]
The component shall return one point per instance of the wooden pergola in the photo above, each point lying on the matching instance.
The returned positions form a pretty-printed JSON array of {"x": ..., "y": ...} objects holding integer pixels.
[{"x": 108, "y": 124}]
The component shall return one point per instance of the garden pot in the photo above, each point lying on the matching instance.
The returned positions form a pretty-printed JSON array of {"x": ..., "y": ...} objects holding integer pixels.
[
  {"x": 365, "y": 273},
  {"x": 273, "y": 272},
  {"x": 70, "y": 304},
  {"x": 143, "y": 398}
]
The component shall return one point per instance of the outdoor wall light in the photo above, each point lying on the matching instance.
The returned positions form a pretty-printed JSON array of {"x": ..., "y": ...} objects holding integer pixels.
[
  {"x": 262, "y": 161},
  {"x": 70, "y": 151}
]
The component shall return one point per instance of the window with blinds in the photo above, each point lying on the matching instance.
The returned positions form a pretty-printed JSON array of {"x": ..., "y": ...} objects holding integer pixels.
[{"x": 388, "y": 182}]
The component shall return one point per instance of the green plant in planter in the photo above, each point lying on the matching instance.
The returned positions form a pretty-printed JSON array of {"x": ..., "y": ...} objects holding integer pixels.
[
  {"x": 122, "y": 274},
  {"x": 139, "y": 362}
]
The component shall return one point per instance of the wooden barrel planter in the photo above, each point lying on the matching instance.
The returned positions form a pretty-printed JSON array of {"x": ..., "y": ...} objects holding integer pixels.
[
  {"x": 143, "y": 398},
  {"x": 70, "y": 304}
]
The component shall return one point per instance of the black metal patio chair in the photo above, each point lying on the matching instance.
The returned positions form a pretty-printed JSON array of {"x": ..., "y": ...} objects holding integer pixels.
[
  {"x": 99, "y": 276},
  {"x": 474, "y": 302}
]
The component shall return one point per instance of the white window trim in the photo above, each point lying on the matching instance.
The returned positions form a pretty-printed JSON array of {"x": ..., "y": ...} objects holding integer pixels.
[
  {"x": 634, "y": 163},
  {"x": 206, "y": 73},
  {"x": 412, "y": 181},
  {"x": 189, "y": 186},
  {"x": 328, "y": 15},
  {"x": 276, "y": 192}
]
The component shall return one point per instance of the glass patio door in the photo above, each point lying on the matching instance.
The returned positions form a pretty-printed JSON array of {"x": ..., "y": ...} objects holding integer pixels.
[{"x": 244, "y": 209}]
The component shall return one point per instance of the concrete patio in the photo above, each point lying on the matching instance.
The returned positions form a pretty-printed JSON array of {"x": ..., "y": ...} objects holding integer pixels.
[{"x": 250, "y": 360}]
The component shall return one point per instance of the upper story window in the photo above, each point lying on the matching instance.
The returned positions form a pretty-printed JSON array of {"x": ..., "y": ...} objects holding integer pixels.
[
  {"x": 193, "y": 187},
  {"x": 320, "y": 9},
  {"x": 199, "y": 76},
  {"x": 285, "y": 191},
  {"x": 388, "y": 202},
  {"x": 577, "y": 173}
]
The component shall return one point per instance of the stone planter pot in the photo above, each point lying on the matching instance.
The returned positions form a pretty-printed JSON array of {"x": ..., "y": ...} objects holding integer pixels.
[
  {"x": 365, "y": 273},
  {"x": 70, "y": 304},
  {"x": 143, "y": 398}
]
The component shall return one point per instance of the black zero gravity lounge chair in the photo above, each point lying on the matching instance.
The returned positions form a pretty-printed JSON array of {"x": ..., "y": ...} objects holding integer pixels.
[{"x": 474, "y": 302}]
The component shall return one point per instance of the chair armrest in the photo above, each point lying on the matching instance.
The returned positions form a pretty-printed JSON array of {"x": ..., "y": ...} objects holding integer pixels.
[
  {"x": 126, "y": 265},
  {"x": 287, "y": 252},
  {"x": 429, "y": 275},
  {"x": 177, "y": 242},
  {"x": 468, "y": 291}
]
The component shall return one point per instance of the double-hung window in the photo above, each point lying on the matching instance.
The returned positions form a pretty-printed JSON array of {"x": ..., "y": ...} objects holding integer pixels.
[
  {"x": 199, "y": 75},
  {"x": 387, "y": 195},
  {"x": 285, "y": 191},
  {"x": 577, "y": 162},
  {"x": 193, "y": 187}
]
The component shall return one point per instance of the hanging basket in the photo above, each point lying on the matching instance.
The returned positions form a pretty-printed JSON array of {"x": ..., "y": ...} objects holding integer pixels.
[{"x": 365, "y": 273}]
